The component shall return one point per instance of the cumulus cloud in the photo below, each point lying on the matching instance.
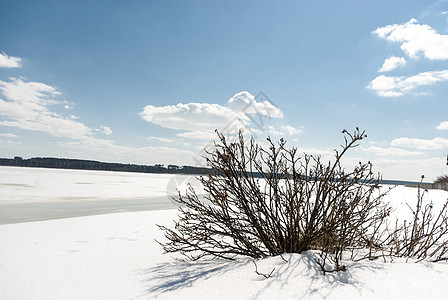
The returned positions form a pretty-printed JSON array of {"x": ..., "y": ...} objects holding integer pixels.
[
  {"x": 391, "y": 63},
  {"x": 7, "y": 61},
  {"x": 443, "y": 125},
  {"x": 246, "y": 103},
  {"x": 437, "y": 143},
  {"x": 32, "y": 106},
  {"x": 416, "y": 39},
  {"x": 104, "y": 129},
  {"x": 28, "y": 107},
  {"x": 391, "y": 86},
  {"x": 200, "y": 120},
  {"x": 189, "y": 116}
]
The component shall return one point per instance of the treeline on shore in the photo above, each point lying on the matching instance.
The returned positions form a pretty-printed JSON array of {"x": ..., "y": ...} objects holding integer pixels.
[{"x": 80, "y": 164}]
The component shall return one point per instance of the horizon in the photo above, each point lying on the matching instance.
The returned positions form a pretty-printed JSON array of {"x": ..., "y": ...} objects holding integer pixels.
[
  {"x": 149, "y": 82},
  {"x": 162, "y": 166}
]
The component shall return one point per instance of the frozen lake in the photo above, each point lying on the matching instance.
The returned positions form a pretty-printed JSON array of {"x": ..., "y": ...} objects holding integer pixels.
[{"x": 34, "y": 194}]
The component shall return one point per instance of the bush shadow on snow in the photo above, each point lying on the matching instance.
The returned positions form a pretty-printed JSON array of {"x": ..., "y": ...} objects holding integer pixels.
[
  {"x": 302, "y": 269},
  {"x": 290, "y": 270},
  {"x": 170, "y": 276}
]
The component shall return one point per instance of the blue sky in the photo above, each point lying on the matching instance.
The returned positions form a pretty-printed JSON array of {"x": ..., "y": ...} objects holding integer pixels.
[{"x": 149, "y": 81}]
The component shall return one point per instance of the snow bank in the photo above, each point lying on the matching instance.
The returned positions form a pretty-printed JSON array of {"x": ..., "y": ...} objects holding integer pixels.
[{"x": 115, "y": 256}]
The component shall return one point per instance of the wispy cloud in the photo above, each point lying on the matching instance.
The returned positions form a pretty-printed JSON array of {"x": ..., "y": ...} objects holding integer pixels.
[
  {"x": 416, "y": 39},
  {"x": 7, "y": 61},
  {"x": 199, "y": 134},
  {"x": 442, "y": 126},
  {"x": 291, "y": 130},
  {"x": 390, "y": 86},
  {"x": 106, "y": 150},
  {"x": 283, "y": 130},
  {"x": 10, "y": 142},
  {"x": 9, "y": 135},
  {"x": 28, "y": 107},
  {"x": 408, "y": 169},
  {"x": 390, "y": 151},
  {"x": 422, "y": 144},
  {"x": 159, "y": 139},
  {"x": 391, "y": 63},
  {"x": 104, "y": 129}
]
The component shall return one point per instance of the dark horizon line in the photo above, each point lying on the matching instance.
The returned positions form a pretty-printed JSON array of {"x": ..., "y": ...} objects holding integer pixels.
[{"x": 94, "y": 165}]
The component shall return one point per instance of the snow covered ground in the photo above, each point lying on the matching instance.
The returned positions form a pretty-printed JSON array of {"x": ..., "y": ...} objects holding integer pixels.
[
  {"x": 56, "y": 185},
  {"x": 115, "y": 256},
  {"x": 34, "y": 194}
]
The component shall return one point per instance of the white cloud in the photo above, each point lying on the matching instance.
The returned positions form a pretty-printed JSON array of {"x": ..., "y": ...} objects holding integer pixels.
[
  {"x": 190, "y": 116},
  {"x": 198, "y": 135},
  {"x": 416, "y": 39},
  {"x": 408, "y": 169},
  {"x": 31, "y": 92},
  {"x": 7, "y": 61},
  {"x": 437, "y": 143},
  {"x": 9, "y": 142},
  {"x": 283, "y": 130},
  {"x": 27, "y": 107},
  {"x": 9, "y": 135},
  {"x": 443, "y": 125},
  {"x": 390, "y": 151},
  {"x": 273, "y": 131},
  {"x": 290, "y": 130},
  {"x": 106, "y": 150},
  {"x": 391, "y": 63},
  {"x": 104, "y": 129},
  {"x": 246, "y": 103},
  {"x": 159, "y": 139},
  {"x": 200, "y": 120},
  {"x": 390, "y": 86}
]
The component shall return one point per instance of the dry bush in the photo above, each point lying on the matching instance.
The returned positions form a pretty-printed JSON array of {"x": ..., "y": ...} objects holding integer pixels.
[
  {"x": 265, "y": 202},
  {"x": 442, "y": 179},
  {"x": 425, "y": 236}
]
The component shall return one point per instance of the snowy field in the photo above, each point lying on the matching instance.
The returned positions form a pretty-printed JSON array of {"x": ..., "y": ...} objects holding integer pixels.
[
  {"x": 115, "y": 256},
  {"x": 34, "y": 194}
]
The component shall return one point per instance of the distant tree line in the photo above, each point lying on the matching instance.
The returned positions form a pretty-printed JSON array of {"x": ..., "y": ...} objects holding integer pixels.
[{"x": 79, "y": 164}]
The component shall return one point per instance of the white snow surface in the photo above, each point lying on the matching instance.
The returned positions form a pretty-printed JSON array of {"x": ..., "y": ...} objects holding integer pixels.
[
  {"x": 115, "y": 256},
  {"x": 56, "y": 185}
]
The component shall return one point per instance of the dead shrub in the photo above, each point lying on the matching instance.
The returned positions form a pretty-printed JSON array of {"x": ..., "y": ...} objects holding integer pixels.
[
  {"x": 442, "y": 179},
  {"x": 425, "y": 235},
  {"x": 265, "y": 202}
]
